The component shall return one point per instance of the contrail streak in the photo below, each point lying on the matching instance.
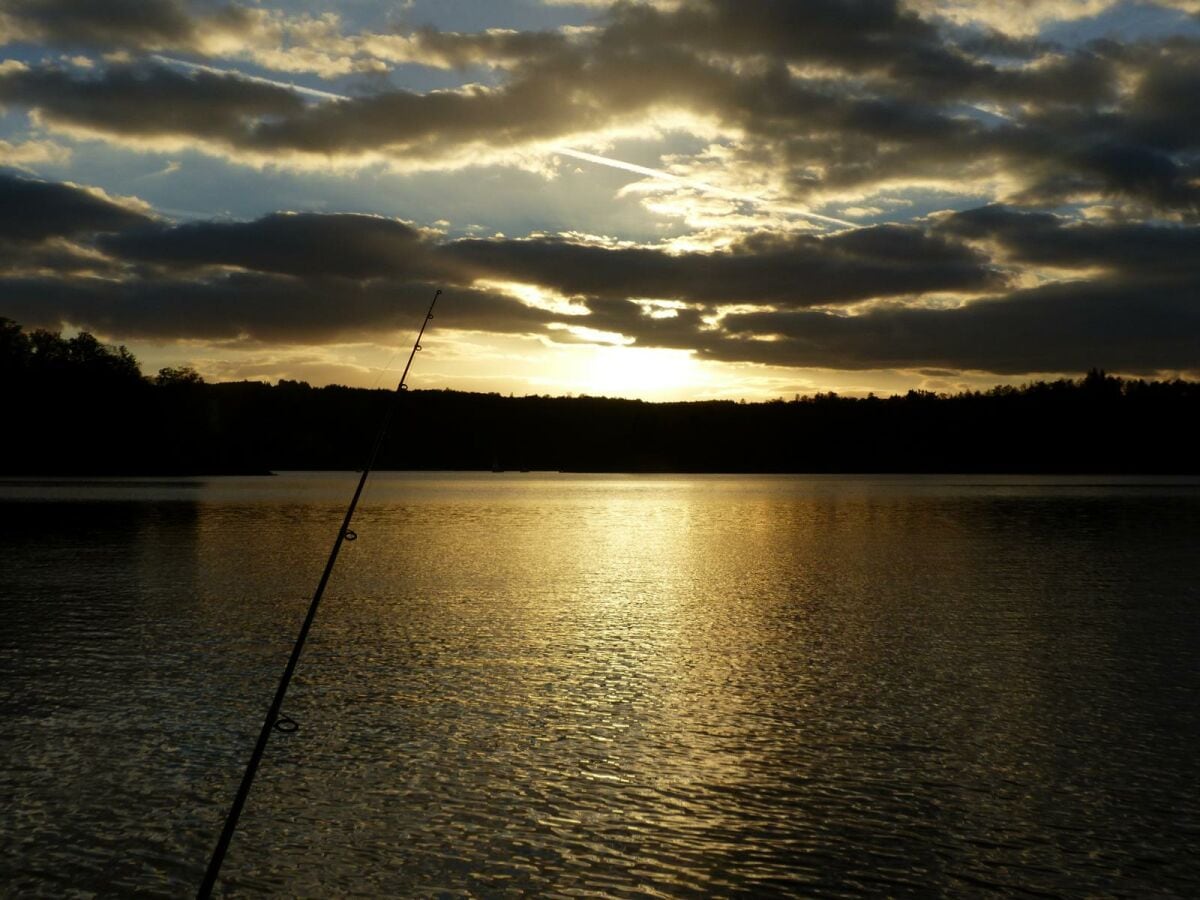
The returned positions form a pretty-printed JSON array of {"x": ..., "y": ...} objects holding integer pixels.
[
  {"x": 595, "y": 158},
  {"x": 699, "y": 185},
  {"x": 214, "y": 70}
]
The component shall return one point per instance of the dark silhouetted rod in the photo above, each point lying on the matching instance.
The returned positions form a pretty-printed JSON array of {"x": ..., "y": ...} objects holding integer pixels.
[{"x": 275, "y": 721}]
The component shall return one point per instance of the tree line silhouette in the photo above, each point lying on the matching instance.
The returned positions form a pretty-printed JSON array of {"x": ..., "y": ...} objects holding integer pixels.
[{"x": 76, "y": 406}]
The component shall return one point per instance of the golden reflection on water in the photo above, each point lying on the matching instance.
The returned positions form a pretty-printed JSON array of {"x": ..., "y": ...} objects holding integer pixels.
[{"x": 622, "y": 685}]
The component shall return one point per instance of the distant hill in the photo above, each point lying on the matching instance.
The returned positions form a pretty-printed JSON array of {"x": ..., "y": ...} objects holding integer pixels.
[{"x": 75, "y": 406}]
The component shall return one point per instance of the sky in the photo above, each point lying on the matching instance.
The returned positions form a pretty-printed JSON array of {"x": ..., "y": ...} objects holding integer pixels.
[{"x": 679, "y": 199}]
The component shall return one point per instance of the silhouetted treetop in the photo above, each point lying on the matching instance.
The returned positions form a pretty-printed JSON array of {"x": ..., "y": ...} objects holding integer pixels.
[
  {"x": 48, "y": 355},
  {"x": 83, "y": 407},
  {"x": 175, "y": 376}
]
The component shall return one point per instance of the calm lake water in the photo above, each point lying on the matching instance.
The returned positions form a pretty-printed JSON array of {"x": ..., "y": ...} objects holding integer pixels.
[{"x": 572, "y": 685}]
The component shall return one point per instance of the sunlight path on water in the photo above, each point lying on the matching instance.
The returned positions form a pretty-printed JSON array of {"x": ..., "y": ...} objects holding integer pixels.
[{"x": 630, "y": 686}]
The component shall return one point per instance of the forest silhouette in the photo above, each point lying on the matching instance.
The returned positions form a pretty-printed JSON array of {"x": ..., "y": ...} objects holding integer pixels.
[{"x": 77, "y": 407}]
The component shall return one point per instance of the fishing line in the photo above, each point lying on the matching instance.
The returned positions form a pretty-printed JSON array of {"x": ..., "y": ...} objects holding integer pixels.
[
  {"x": 384, "y": 369},
  {"x": 275, "y": 720}
]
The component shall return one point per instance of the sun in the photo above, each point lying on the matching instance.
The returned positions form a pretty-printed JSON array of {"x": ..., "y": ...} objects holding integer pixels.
[{"x": 638, "y": 372}]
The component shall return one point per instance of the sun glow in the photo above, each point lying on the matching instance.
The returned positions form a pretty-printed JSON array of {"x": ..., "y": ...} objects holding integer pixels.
[{"x": 649, "y": 373}]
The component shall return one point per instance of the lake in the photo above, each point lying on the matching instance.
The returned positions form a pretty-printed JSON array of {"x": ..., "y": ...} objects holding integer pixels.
[{"x": 625, "y": 686}]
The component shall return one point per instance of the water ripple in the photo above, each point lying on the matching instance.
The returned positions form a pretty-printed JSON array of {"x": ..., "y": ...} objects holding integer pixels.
[{"x": 573, "y": 687}]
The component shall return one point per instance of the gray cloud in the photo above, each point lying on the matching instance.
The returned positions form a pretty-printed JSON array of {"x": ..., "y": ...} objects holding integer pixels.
[
  {"x": 833, "y": 97},
  {"x": 498, "y": 48},
  {"x": 273, "y": 309},
  {"x": 1064, "y": 327},
  {"x": 1145, "y": 251},
  {"x": 904, "y": 114},
  {"x": 150, "y": 101},
  {"x": 32, "y": 211},
  {"x": 794, "y": 270},
  {"x": 321, "y": 278},
  {"x": 878, "y": 37},
  {"x": 307, "y": 245},
  {"x": 45, "y": 227},
  {"x": 304, "y": 277},
  {"x": 791, "y": 271},
  {"x": 119, "y": 22},
  {"x": 685, "y": 330}
]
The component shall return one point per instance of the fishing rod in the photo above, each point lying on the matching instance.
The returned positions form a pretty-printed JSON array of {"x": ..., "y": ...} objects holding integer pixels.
[{"x": 275, "y": 721}]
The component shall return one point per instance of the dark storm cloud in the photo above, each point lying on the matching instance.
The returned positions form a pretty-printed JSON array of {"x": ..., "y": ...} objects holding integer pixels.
[
  {"x": 304, "y": 245},
  {"x": 1163, "y": 110},
  {"x": 683, "y": 330},
  {"x": 1146, "y": 251},
  {"x": 1110, "y": 164},
  {"x": 251, "y": 305},
  {"x": 32, "y": 211},
  {"x": 45, "y": 227},
  {"x": 320, "y": 278},
  {"x": 315, "y": 278},
  {"x": 492, "y": 47},
  {"x": 306, "y": 277},
  {"x": 833, "y": 97},
  {"x": 149, "y": 101},
  {"x": 1063, "y": 327},
  {"x": 127, "y": 24},
  {"x": 901, "y": 117},
  {"x": 106, "y": 23},
  {"x": 800, "y": 270},
  {"x": 862, "y": 34},
  {"x": 992, "y": 43},
  {"x": 862, "y": 37},
  {"x": 796, "y": 270},
  {"x": 908, "y": 113},
  {"x": 405, "y": 122}
]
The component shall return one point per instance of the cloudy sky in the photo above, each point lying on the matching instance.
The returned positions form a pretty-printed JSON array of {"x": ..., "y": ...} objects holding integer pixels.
[{"x": 671, "y": 199}]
